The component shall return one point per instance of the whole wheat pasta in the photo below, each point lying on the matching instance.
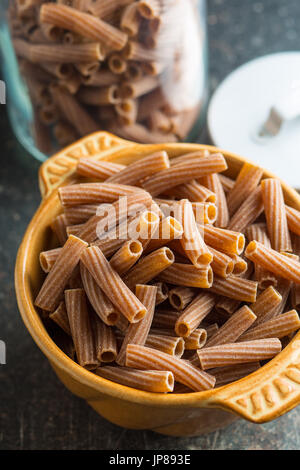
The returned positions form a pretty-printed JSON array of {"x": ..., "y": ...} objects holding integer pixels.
[
  {"x": 279, "y": 264},
  {"x": 137, "y": 333},
  {"x": 77, "y": 215},
  {"x": 194, "y": 167},
  {"x": 168, "y": 229},
  {"x": 127, "y": 112},
  {"x": 112, "y": 285},
  {"x": 213, "y": 183},
  {"x": 276, "y": 215},
  {"x": 162, "y": 292},
  {"x": 51, "y": 32},
  {"x": 130, "y": 20},
  {"x": 141, "y": 169},
  {"x": 278, "y": 327},
  {"x": 295, "y": 295},
  {"x": 126, "y": 256},
  {"x": 105, "y": 340},
  {"x": 116, "y": 63},
  {"x": 222, "y": 264},
  {"x": 100, "y": 79},
  {"x": 91, "y": 193},
  {"x": 99, "y": 96},
  {"x": 284, "y": 288},
  {"x": 240, "y": 265},
  {"x": 59, "y": 228},
  {"x": 149, "y": 8},
  {"x": 226, "y": 182},
  {"x": 59, "y": 70},
  {"x": 137, "y": 52},
  {"x": 293, "y": 219},
  {"x": 180, "y": 297},
  {"x": 81, "y": 328},
  {"x": 234, "y": 327},
  {"x": 193, "y": 315},
  {"x": 140, "y": 133},
  {"x": 228, "y": 241},
  {"x": 144, "y": 228},
  {"x": 266, "y": 303},
  {"x": 48, "y": 114},
  {"x": 104, "y": 308},
  {"x": 121, "y": 325},
  {"x": 141, "y": 357},
  {"x": 73, "y": 112},
  {"x": 86, "y": 69},
  {"x": 148, "y": 380},
  {"x": 196, "y": 340},
  {"x": 187, "y": 275},
  {"x": 149, "y": 267},
  {"x": 192, "y": 242},
  {"x": 84, "y": 24},
  {"x": 150, "y": 102},
  {"x": 104, "y": 8},
  {"x": 246, "y": 182},
  {"x": 172, "y": 345},
  {"x": 52, "y": 289},
  {"x": 264, "y": 277},
  {"x": 229, "y": 374},
  {"x": 139, "y": 87},
  {"x": 205, "y": 212},
  {"x": 165, "y": 319},
  {"x": 64, "y": 133},
  {"x": 159, "y": 121},
  {"x": 238, "y": 353},
  {"x": 134, "y": 72},
  {"x": 235, "y": 287},
  {"x": 248, "y": 212},
  {"x": 60, "y": 317},
  {"x": 48, "y": 258},
  {"x": 64, "y": 54},
  {"x": 192, "y": 191}
]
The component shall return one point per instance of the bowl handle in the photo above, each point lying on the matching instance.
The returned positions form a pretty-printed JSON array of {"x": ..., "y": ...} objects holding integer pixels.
[
  {"x": 58, "y": 169},
  {"x": 268, "y": 392}
]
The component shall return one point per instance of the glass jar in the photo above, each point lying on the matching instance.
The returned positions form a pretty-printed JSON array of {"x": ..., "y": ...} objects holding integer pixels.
[{"x": 135, "y": 68}]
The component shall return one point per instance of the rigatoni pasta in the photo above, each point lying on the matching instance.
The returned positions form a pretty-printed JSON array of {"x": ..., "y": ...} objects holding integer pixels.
[{"x": 207, "y": 305}]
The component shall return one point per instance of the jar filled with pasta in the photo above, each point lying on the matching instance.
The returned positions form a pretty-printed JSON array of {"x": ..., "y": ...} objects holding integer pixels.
[{"x": 136, "y": 68}]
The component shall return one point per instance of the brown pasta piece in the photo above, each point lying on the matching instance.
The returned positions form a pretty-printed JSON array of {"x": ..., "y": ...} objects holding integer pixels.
[
  {"x": 141, "y": 357},
  {"x": 105, "y": 340},
  {"x": 193, "y": 315},
  {"x": 81, "y": 329},
  {"x": 180, "y": 297},
  {"x": 237, "y": 324},
  {"x": 104, "y": 308},
  {"x": 278, "y": 327},
  {"x": 222, "y": 264},
  {"x": 52, "y": 289},
  {"x": 59, "y": 228},
  {"x": 248, "y": 212},
  {"x": 148, "y": 380},
  {"x": 293, "y": 219},
  {"x": 168, "y": 229},
  {"x": 187, "y": 275},
  {"x": 228, "y": 241},
  {"x": 137, "y": 333},
  {"x": 235, "y": 287},
  {"x": 229, "y": 374},
  {"x": 112, "y": 285},
  {"x": 172, "y": 345},
  {"x": 48, "y": 258},
  {"x": 196, "y": 340},
  {"x": 126, "y": 256},
  {"x": 246, "y": 182},
  {"x": 162, "y": 292},
  {"x": 213, "y": 183},
  {"x": 195, "y": 166},
  {"x": 238, "y": 353},
  {"x": 276, "y": 215},
  {"x": 83, "y": 24},
  {"x": 279, "y": 264}
]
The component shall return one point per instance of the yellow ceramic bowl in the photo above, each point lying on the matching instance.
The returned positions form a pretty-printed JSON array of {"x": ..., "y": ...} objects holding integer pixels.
[{"x": 260, "y": 397}]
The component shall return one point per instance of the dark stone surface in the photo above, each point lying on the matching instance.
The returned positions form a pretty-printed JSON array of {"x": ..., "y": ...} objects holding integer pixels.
[{"x": 36, "y": 411}]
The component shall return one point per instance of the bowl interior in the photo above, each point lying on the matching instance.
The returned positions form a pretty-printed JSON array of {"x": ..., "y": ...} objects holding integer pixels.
[{"x": 29, "y": 276}]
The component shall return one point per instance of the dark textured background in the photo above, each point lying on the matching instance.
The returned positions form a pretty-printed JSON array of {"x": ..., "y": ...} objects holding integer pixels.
[{"x": 36, "y": 411}]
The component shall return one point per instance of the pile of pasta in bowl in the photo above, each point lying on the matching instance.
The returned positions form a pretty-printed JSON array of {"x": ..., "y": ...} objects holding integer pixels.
[{"x": 169, "y": 276}]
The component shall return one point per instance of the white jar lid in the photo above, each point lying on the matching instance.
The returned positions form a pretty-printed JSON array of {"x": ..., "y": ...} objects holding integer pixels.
[{"x": 241, "y": 106}]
